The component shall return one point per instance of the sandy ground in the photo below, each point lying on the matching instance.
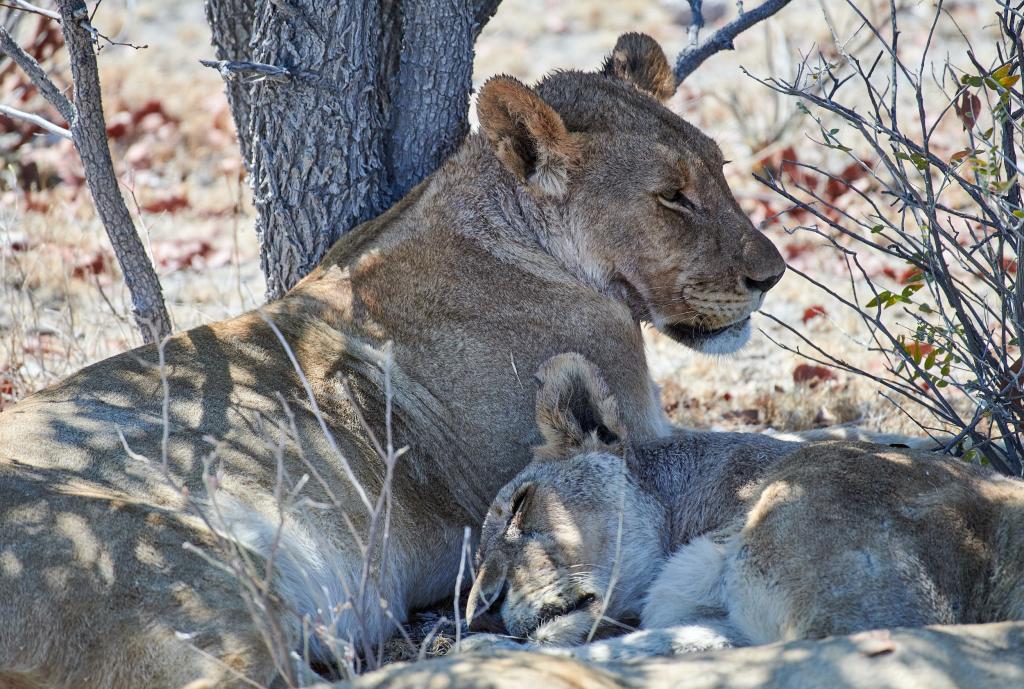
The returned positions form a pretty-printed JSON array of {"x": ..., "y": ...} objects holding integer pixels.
[{"x": 62, "y": 305}]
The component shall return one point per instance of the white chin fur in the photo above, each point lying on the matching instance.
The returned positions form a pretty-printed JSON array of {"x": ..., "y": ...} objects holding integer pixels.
[{"x": 727, "y": 342}]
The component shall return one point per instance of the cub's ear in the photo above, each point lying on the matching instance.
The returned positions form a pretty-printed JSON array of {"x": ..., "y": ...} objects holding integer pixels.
[
  {"x": 528, "y": 136},
  {"x": 522, "y": 501},
  {"x": 637, "y": 59},
  {"x": 575, "y": 410}
]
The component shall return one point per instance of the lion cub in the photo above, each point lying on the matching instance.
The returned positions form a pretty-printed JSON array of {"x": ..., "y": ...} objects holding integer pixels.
[{"x": 741, "y": 538}]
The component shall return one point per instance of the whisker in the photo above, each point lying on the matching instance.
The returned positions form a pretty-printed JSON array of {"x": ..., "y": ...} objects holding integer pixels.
[{"x": 621, "y": 625}]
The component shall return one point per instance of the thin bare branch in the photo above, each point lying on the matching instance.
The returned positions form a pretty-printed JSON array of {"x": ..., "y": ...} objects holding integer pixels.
[
  {"x": 38, "y": 76},
  {"x": 951, "y": 351},
  {"x": 38, "y": 121},
  {"x": 89, "y": 133},
  {"x": 349, "y": 474},
  {"x": 29, "y": 7},
  {"x": 696, "y": 23},
  {"x": 693, "y": 57}
]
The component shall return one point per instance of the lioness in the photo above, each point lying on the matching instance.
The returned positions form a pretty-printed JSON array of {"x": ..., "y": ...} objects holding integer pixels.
[
  {"x": 580, "y": 210},
  {"x": 736, "y": 539}
]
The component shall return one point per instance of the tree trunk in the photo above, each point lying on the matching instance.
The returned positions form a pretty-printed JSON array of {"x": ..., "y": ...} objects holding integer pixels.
[
  {"x": 231, "y": 22},
  {"x": 375, "y": 97},
  {"x": 430, "y": 93}
]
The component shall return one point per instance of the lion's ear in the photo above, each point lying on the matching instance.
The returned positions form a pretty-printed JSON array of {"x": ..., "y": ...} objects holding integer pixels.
[
  {"x": 637, "y": 59},
  {"x": 528, "y": 136},
  {"x": 575, "y": 410},
  {"x": 522, "y": 501}
]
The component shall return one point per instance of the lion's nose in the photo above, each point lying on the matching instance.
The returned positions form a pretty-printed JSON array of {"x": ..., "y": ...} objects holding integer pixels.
[{"x": 764, "y": 284}]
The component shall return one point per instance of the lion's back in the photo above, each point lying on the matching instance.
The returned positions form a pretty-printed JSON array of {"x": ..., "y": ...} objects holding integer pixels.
[{"x": 863, "y": 536}]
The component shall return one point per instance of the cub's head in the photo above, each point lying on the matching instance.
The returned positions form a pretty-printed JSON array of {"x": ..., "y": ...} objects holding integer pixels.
[
  {"x": 571, "y": 538},
  {"x": 636, "y": 194}
]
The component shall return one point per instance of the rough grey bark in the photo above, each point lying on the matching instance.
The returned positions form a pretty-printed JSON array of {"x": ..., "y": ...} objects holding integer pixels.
[
  {"x": 430, "y": 92},
  {"x": 376, "y": 97},
  {"x": 231, "y": 23},
  {"x": 318, "y": 158},
  {"x": 89, "y": 133}
]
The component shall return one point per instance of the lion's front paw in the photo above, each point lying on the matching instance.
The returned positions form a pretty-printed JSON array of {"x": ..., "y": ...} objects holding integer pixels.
[
  {"x": 566, "y": 630},
  {"x": 485, "y": 643}
]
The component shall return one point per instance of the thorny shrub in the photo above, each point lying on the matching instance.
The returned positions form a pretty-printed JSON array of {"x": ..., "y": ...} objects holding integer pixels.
[{"x": 930, "y": 150}]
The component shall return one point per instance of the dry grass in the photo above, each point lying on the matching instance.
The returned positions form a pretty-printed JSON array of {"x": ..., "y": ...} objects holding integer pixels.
[{"x": 62, "y": 305}]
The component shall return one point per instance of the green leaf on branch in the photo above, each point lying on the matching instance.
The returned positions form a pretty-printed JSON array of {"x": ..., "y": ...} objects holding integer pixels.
[
  {"x": 1003, "y": 78},
  {"x": 885, "y": 298},
  {"x": 918, "y": 160},
  {"x": 879, "y": 298}
]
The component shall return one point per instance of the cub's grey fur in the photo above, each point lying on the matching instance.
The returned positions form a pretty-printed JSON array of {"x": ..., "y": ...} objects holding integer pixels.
[{"x": 713, "y": 539}]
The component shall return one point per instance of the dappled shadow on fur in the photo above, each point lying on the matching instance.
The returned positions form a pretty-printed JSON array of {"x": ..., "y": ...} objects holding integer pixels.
[
  {"x": 75, "y": 555},
  {"x": 976, "y": 656}
]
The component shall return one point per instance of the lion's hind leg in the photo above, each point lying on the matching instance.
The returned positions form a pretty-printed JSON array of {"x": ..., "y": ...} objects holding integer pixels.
[{"x": 98, "y": 592}]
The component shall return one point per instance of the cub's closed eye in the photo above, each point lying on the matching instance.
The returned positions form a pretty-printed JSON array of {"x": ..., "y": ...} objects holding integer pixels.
[{"x": 676, "y": 200}]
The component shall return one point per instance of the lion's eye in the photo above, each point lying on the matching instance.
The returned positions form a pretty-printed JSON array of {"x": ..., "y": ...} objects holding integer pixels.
[{"x": 676, "y": 199}]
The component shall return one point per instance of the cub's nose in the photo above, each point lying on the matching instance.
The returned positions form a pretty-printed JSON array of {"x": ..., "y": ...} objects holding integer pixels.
[
  {"x": 764, "y": 284},
  {"x": 488, "y": 618},
  {"x": 488, "y": 622}
]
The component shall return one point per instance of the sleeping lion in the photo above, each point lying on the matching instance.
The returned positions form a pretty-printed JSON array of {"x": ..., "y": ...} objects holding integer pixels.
[{"x": 735, "y": 539}]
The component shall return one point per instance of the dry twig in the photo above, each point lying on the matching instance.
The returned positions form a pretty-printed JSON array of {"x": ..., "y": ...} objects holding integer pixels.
[
  {"x": 24, "y": 6},
  {"x": 955, "y": 220},
  {"x": 89, "y": 132},
  {"x": 37, "y": 75},
  {"x": 38, "y": 121},
  {"x": 231, "y": 70},
  {"x": 694, "y": 55}
]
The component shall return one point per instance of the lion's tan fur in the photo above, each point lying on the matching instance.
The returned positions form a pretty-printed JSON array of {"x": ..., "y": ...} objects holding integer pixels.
[
  {"x": 542, "y": 234},
  {"x": 753, "y": 539},
  {"x": 987, "y": 656}
]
